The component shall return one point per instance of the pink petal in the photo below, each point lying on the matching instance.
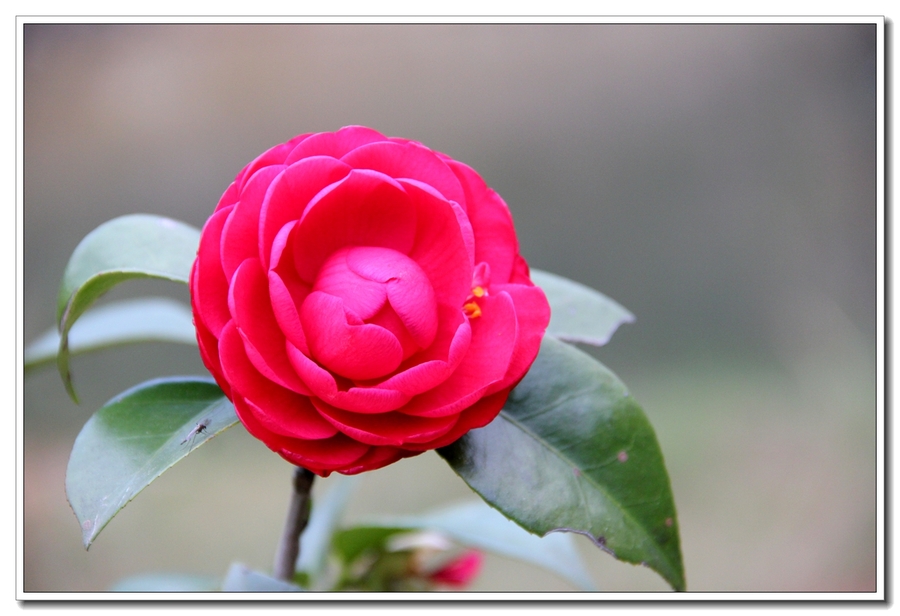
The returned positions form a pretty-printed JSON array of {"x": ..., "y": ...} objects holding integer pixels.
[
  {"x": 493, "y": 341},
  {"x": 408, "y": 160},
  {"x": 209, "y": 291},
  {"x": 290, "y": 193},
  {"x": 366, "y": 208},
  {"x": 362, "y": 295},
  {"x": 229, "y": 197},
  {"x": 263, "y": 340},
  {"x": 208, "y": 346},
  {"x": 356, "y": 351},
  {"x": 326, "y": 386},
  {"x": 495, "y": 236},
  {"x": 435, "y": 364},
  {"x": 460, "y": 571},
  {"x": 478, "y": 415},
  {"x": 286, "y": 296},
  {"x": 392, "y": 429},
  {"x": 409, "y": 290},
  {"x": 275, "y": 408},
  {"x": 521, "y": 273},
  {"x": 377, "y": 457},
  {"x": 240, "y": 237},
  {"x": 320, "y": 456},
  {"x": 326, "y": 456},
  {"x": 388, "y": 319},
  {"x": 272, "y": 156},
  {"x": 335, "y": 144},
  {"x": 338, "y": 449},
  {"x": 533, "y": 316},
  {"x": 443, "y": 245}
]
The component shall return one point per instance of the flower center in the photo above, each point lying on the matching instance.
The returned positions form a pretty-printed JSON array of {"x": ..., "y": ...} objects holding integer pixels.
[{"x": 370, "y": 308}]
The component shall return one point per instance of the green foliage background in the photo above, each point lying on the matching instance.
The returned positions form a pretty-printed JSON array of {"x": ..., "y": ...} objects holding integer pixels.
[{"x": 718, "y": 181}]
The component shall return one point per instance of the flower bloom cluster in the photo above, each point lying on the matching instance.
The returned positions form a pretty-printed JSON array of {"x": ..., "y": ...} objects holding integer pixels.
[{"x": 361, "y": 299}]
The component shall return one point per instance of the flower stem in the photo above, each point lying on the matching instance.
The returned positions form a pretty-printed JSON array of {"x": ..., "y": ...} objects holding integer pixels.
[{"x": 298, "y": 516}]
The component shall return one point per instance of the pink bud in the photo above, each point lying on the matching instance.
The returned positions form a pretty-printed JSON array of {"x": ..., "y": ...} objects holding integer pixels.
[{"x": 459, "y": 571}]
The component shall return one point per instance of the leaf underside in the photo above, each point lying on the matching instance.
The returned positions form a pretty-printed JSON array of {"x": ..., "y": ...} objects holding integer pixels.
[
  {"x": 579, "y": 313},
  {"x": 152, "y": 319},
  {"x": 477, "y": 525},
  {"x": 125, "y": 248}
]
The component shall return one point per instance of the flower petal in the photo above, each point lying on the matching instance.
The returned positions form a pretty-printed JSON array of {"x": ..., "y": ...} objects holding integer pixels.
[
  {"x": 272, "y": 156},
  {"x": 435, "y": 364},
  {"x": 335, "y": 144},
  {"x": 443, "y": 245},
  {"x": 533, "y": 316},
  {"x": 493, "y": 341},
  {"x": 289, "y": 195},
  {"x": 478, "y": 415},
  {"x": 264, "y": 342},
  {"x": 391, "y": 429},
  {"x": 325, "y": 456},
  {"x": 366, "y": 208},
  {"x": 240, "y": 236},
  {"x": 209, "y": 291},
  {"x": 377, "y": 457},
  {"x": 275, "y": 408},
  {"x": 408, "y": 160},
  {"x": 342, "y": 394},
  {"x": 286, "y": 296},
  {"x": 356, "y": 351},
  {"x": 495, "y": 236}
]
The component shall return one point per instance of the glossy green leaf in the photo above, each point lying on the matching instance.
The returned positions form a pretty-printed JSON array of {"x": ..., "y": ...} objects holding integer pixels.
[
  {"x": 324, "y": 518},
  {"x": 477, "y": 525},
  {"x": 242, "y": 579},
  {"x": 579, "y": 313},
  {"x": 134, "y": 246},
  {"x": 167, "y": 582},
  {"x": 134, "y": 438},
  {"x": 572, "y": 451},
  {"x": 123, "y": 322}
]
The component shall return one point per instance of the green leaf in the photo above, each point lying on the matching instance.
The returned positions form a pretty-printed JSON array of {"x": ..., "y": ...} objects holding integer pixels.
[
  {"x": 350, "y": 543},
  {"x": 325, "y": 516},
  {"x": 572, "y": 451},
  {"x": 135, "y": 246},
  {"x": 241, "y": 579},
  {"x": 167, "y": 582},
  {"x": 134, "y": 438},
  {"x": 477, "y": 525},
  {"x": 122, "y": 322},
  {"x": 579, "y": 313}
]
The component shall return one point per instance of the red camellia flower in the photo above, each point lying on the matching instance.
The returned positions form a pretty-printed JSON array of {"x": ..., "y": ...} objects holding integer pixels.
[{"x": 361, "y": 299}]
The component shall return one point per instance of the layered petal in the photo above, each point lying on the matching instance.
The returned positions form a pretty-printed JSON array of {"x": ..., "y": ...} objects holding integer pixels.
[
  {"x": 493, "y": 342},
  {"x": 361, "y": 299},
  {"x": 256, "y": 322},
  {"x": 532, "y": 317},
  {"x": 492, "y": 224},
  {"x": 290, "y": 193},
  {"x": 366, "y": 208},
  {"x": 275, "y": 408},
  {"x": 335, "y": 144},
  {"x": 209, "y": 286}
]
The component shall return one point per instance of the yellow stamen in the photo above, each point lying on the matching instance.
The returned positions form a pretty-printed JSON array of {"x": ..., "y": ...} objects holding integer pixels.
[
  {"x": 472, "y": 310},
  {"x": 478, "y": 292}
]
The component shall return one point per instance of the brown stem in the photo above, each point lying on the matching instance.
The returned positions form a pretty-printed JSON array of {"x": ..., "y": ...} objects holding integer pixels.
[{"x": 298, "y": 516}]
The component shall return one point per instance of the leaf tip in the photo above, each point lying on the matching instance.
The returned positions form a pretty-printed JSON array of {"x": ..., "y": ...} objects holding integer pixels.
[{"x": 88, "y": 533}]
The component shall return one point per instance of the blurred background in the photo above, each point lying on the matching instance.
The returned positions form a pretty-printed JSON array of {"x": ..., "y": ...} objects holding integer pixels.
[{"x": 717, "y": 180}]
